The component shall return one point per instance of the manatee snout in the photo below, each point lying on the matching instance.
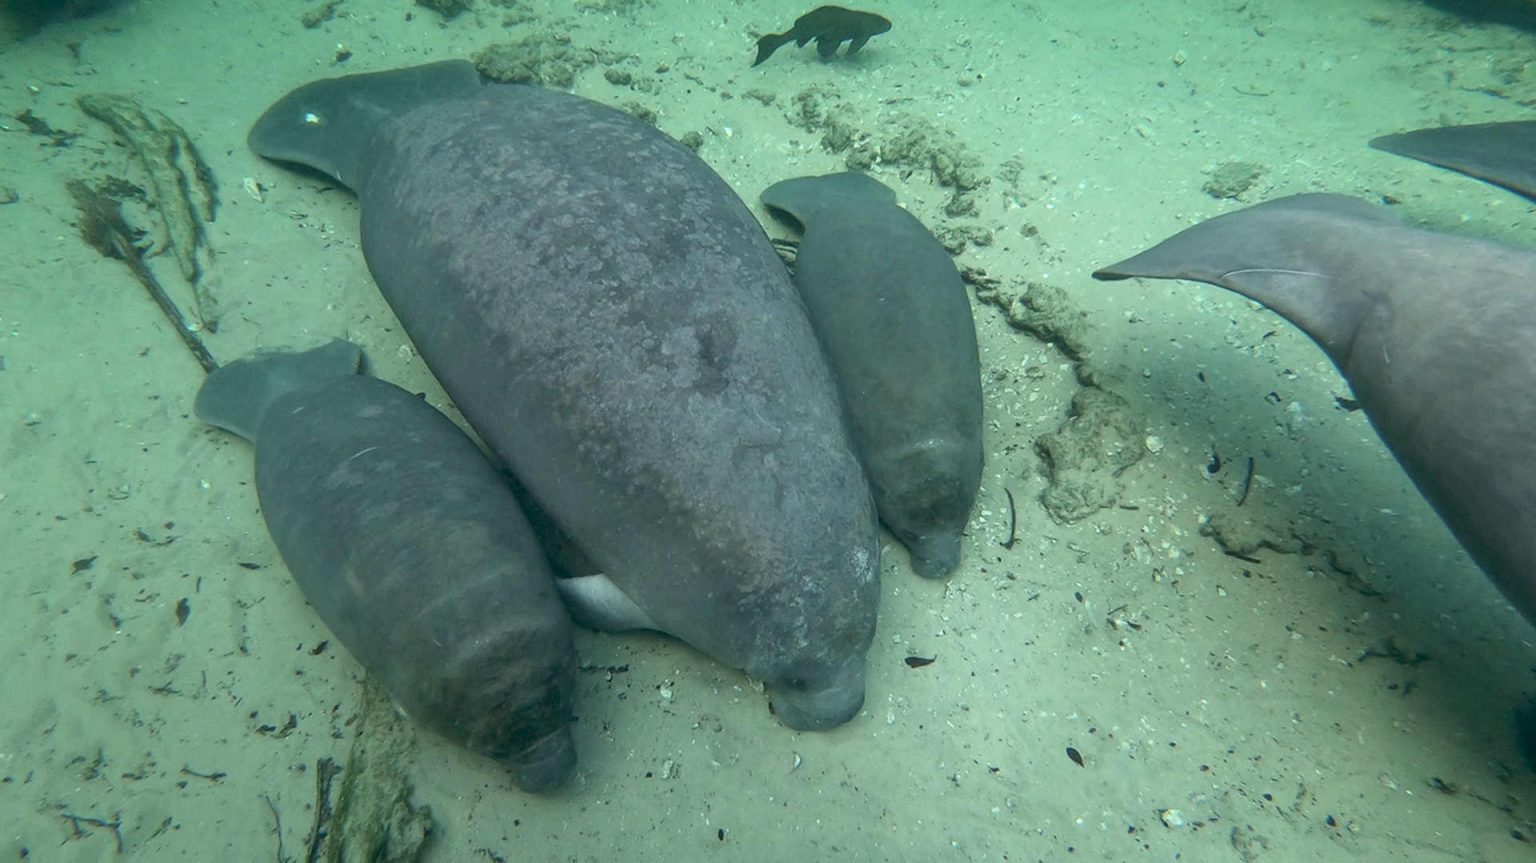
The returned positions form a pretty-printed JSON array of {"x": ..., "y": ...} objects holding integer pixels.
[
  {"x": 925, "y": 494},
  {"x": 545, "y": 765},
  {"x": 820, "y": 699},
  {"x": 933, "y": 555}
]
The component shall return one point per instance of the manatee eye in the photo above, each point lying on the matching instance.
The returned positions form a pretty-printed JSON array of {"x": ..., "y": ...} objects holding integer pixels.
[{"x": 312, "y": 119}]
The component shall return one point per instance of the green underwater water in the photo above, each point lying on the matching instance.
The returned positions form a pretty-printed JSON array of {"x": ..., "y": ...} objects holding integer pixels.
[{"x": 1200, "y": 614}]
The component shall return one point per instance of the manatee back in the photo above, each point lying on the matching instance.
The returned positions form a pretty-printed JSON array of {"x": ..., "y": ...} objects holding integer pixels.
[
  {"x": 641, "y": 360},
  {"x": 893, "y": 316},
  {"x": 408, "y": 544}
]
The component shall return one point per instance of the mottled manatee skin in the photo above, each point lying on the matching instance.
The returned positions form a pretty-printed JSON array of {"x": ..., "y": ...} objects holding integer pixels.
[
  {"x": 894, "y": 317},
  {"x": 408, "y": 544},
  {"x": 614, "y": 323}
]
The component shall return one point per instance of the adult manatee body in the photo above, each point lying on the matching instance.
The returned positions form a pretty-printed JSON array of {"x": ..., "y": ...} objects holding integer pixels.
[{"x": 613, "y": 322}]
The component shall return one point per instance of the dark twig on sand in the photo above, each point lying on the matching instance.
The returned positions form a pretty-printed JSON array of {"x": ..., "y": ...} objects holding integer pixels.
[
  {"x": 115, "y": 825},
  {"x": 1013, "y": 520},
  {"x": 103, "y": 227}
]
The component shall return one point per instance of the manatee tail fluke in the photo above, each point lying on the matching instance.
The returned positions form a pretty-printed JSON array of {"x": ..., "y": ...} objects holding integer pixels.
[
  {"x": 769, "y": 44},
  {"x": 327, "y": 124},
  {"x": 235, "y": 397},
  {"x": 1284, "y": 253}
]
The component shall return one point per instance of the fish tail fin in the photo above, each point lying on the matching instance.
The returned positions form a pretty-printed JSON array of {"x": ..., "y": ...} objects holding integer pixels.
[{"x": 769, "y": 44}]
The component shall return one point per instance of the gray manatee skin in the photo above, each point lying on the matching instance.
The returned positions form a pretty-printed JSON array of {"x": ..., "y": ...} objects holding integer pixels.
[
  {"x": 893, "y": 315},
  {"x": 1434, "y": 333},
  {"x": 616, "y": 326},
  {"x": 407, "y": 542}
]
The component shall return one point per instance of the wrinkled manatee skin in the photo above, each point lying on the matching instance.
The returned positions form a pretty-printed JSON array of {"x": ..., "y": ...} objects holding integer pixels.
[
  {"x": 895, "y": 319},
  {"x": 406, "y": 542},
  {"x": 615, "y": 324}
]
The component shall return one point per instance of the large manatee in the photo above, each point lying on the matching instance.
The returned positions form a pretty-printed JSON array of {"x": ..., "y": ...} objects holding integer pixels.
[
  {"x": 1434, "y": 333},
  {"x": 614, "y": 323}
]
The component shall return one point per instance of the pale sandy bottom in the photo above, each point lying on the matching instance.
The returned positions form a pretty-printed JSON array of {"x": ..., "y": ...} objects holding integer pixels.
[{"x": 1223, "y": 710}]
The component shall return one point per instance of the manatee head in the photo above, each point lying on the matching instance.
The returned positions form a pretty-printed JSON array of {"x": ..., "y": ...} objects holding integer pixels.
[
  {"x": 812, "y": 660},
  {"x": 927, "y": 498},
  {"x": 820, "y": 697},
  {"x": 546, "y": 764}
]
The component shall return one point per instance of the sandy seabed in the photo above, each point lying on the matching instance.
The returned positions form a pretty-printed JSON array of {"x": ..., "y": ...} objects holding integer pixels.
[{"x": 164, "y": 693}]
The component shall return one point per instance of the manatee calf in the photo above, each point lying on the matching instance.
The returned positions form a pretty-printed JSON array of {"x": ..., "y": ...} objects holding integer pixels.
[
  {"x": 1433, "y": 332},
  {"x": 409, "y": 545},
  {"x": 889, "y": 307},
  {"x": 616, "y": 326}
]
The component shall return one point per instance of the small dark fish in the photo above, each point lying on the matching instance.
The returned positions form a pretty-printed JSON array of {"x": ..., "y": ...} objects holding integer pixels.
[{"x": 829, "y": 26}]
